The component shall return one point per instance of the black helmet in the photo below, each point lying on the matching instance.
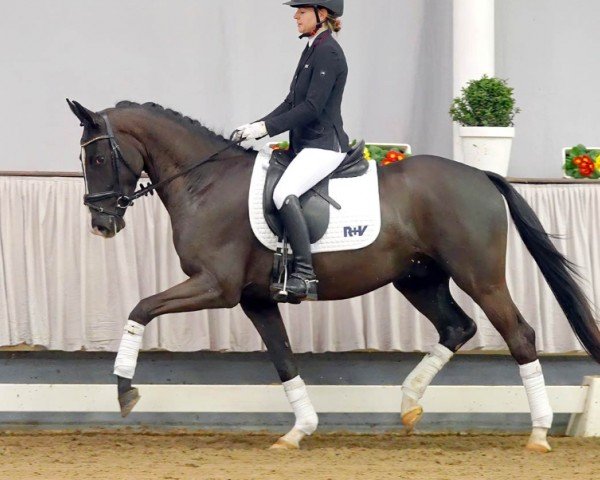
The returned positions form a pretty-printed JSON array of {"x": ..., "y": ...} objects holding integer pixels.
[{"x": 336, "y": 7}]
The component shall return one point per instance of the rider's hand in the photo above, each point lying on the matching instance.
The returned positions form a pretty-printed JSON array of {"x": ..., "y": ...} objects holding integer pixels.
[
  {"x": 238, "y": 133},
  {"x": 249, "y": 131}
]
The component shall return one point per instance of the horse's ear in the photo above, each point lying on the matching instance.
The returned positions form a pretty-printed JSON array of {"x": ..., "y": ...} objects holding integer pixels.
[{"x": 85, "y": 116}]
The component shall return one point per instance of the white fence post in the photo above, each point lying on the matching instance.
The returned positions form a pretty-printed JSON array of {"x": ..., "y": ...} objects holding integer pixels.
[{"x": 587, "y": 423}]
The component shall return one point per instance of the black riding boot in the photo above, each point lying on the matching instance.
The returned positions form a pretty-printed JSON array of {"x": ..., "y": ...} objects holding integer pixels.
[{"x": 302, "y": 283}]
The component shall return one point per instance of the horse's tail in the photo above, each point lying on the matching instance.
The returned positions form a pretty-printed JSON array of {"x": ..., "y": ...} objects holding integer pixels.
[{"x": 557, "y": 269}]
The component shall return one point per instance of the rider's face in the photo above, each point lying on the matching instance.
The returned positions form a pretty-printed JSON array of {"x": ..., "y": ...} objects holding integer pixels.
[{"x": 306, "y": 20}]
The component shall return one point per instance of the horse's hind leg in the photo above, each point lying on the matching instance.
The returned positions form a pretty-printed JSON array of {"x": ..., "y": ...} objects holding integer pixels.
[
  {"x": 429, "y": 291},
  {"x": 497, "y": 304},
  {"x": 265, "y": 316}
]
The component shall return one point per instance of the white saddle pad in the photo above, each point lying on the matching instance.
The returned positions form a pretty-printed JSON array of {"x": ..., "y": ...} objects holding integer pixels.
[{"x": 355, "y": 226}]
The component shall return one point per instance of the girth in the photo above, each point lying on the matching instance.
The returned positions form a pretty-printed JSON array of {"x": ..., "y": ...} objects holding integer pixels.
[{"x": 315, "y": 205}]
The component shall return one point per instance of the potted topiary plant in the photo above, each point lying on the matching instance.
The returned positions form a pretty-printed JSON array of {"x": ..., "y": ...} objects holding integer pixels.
[{"x": 485, "y": 111}]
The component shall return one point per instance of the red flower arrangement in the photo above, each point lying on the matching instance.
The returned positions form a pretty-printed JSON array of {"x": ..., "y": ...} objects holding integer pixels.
[
  {"x": 582, "y": 162},
  {"x": 382, "y": 154},
  {"x": 392, "y": 157},
  {"x": 585, "y": 165}
]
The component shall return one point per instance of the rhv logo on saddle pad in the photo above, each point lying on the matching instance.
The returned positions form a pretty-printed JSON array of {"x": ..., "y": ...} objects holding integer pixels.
[{"x": 355, "y": 231}]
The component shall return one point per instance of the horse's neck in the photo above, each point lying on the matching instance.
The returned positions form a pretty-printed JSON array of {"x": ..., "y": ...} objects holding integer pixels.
[{"x": 170, "y": 149}]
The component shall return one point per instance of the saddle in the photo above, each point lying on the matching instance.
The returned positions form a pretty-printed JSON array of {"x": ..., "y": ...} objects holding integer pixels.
[{"x": 315, "y": 203}]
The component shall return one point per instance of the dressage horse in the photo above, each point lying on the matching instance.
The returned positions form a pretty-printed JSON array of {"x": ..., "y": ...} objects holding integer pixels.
[{"x": 452, "y": 225}]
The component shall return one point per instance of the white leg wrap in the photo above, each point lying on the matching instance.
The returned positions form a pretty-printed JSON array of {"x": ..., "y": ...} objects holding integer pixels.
[
  {"x": 533, "y": 380},
  {"x": 128, "y": 350},
  {"x": 306, "y": 417},
  {"x": 419, "y": 379}
]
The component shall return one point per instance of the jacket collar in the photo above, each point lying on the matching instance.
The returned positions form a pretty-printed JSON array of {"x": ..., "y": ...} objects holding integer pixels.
[
  {"x": 312, "y": 40},
  {"x": 320, "y": 39}
]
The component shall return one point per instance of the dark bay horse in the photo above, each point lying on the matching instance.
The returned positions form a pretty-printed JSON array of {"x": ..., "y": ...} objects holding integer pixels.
[{"x": 434, "y": 227}]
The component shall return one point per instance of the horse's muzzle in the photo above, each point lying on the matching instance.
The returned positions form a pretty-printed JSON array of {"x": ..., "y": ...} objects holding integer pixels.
[{"x": 106, "y": 226}]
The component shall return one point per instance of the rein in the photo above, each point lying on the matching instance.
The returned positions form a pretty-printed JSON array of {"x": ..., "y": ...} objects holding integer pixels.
[
  {"x": 124, "y": 201},
  {"x": 149, "y": 189}
]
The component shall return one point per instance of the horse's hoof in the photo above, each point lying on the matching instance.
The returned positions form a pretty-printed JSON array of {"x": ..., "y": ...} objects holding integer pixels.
[
  {"x": 412, "y": 417},
  {"x": 538, "y": 447},
  {"x": 128, "y": 400},
  {"x": 282, "y": 444}
]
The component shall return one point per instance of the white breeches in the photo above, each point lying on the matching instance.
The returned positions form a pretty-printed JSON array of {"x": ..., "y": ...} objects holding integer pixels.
[{"x": 309, "y": 167}]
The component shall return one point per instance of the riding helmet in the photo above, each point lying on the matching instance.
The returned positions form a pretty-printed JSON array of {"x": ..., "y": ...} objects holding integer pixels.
[{"x": 336, "y": 7}]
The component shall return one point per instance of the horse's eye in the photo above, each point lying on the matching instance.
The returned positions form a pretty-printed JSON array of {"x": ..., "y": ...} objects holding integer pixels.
[{"x": 99, "y": 160}]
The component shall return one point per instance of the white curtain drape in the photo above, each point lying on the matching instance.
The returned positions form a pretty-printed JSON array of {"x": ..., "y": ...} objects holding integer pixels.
[{"x": 65, "y": 289}]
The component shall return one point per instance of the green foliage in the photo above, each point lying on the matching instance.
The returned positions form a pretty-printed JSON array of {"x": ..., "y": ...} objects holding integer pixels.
[
  {"x": 285, "y": 145},
  {"x": 376, "y": 153},
  {"x": 487, "y": 102},
  {"x": 380, "y": 152}
]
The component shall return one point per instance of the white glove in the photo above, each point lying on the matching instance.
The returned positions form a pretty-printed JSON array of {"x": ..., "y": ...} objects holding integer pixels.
[
  {"x": 249, "y": 131},
  {"x": 237, "y": 135}
]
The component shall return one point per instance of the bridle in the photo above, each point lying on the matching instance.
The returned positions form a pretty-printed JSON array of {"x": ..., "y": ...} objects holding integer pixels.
[{"x": 117, "y": 158}]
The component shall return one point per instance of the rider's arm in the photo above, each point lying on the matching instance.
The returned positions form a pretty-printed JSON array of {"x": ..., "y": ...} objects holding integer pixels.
[
  {"x": 285, "y": 106},
  {"x": 324, "y": 76}
]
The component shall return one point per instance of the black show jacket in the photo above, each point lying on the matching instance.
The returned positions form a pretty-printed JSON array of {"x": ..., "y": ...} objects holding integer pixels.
[{"x": 312, "y": 109}]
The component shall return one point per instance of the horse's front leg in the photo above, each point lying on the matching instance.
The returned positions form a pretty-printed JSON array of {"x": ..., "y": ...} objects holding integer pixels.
[
  {"x": 266, "y": 318},
  {"x": 198, "y": 292}
]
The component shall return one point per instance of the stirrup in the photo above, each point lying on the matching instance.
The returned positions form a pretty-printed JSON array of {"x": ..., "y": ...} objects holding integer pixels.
[
  {"x": 283, "y": 296},
  {"x": 281, "y": 293}
]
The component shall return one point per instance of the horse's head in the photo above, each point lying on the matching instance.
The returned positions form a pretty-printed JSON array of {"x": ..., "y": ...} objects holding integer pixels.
[{"x": 111, "y": 168}]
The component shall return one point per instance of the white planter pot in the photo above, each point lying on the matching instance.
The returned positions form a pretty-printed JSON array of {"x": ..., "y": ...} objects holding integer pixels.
[{"x": 487, "y": 148}]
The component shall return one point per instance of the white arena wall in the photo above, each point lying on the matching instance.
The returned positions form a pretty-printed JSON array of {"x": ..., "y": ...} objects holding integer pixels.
[{"x": 228, "y": 62}]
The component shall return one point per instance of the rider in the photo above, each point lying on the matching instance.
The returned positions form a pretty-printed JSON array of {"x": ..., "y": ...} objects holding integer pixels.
[{"x": 312, "y": 114}]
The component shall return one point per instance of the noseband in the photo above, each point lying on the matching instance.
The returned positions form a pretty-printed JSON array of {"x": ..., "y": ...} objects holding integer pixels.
[{"x": 117, "y": 159}]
